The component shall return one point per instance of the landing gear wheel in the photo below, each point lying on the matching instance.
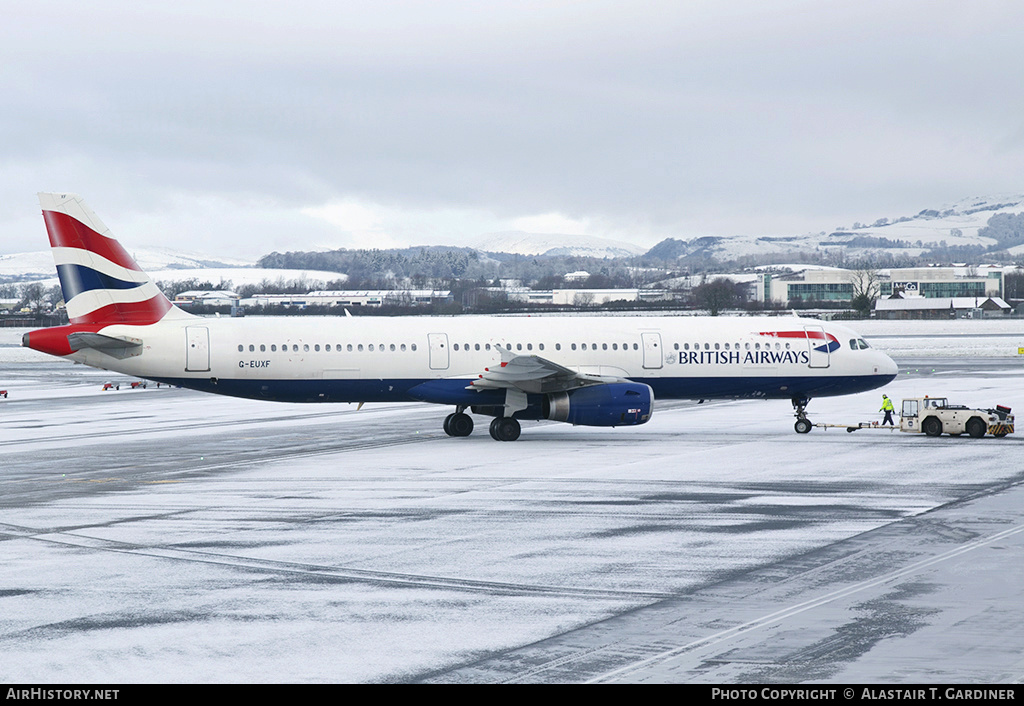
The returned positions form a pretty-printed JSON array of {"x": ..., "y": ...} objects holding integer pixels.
[
  {"x": 976, "y": 428},
  {"x": 803, "y": 424},
  {"x": 505, "y": 429},
  {"x": 932, "y": 426},
  {"x": 460, "y": 424}
]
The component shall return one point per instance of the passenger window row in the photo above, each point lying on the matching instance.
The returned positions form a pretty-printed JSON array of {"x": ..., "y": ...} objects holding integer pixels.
[
  {"x": 855, "y": 344},
  {"x": 734, "y": 347},
  {"x": 359, "y": 347},
  {"x": 558, "y": 346},
  {"x": 327, "y": 348}
]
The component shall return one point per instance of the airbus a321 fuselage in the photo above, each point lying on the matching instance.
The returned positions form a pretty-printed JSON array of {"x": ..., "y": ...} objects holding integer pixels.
[{"x": 593, "y": 371}]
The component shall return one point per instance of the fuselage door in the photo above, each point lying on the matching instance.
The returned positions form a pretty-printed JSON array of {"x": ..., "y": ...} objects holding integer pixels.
[
  {"x": 652, "y": 350},
  {"x": 437, "y": 343},
  {"x": 817, "y": 346},
  {"x": 197, "y": 354}
]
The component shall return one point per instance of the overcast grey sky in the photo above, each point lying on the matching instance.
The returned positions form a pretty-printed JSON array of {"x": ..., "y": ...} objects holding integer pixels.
[{"x": 237, "y": 128}]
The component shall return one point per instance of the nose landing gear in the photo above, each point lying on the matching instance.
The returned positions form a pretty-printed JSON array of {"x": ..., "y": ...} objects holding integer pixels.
[{"x": 803, "y": 424}]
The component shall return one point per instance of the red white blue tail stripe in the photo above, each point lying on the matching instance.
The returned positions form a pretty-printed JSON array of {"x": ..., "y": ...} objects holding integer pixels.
[{"x": 102, "y": 283}]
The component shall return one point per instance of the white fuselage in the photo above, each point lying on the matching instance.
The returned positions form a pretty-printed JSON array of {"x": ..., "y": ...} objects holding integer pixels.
[{"x": 368, "y": 358}]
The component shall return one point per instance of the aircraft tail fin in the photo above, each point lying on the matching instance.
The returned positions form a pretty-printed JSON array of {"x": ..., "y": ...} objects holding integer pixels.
[{"x": 102, "y": 283}]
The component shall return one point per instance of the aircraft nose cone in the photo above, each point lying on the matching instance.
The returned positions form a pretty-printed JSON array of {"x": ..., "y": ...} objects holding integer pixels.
[{"x": 887, "y": 366}]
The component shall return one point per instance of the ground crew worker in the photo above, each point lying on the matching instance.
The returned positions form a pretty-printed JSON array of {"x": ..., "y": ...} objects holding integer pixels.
[{"x": 887, "y": 408}]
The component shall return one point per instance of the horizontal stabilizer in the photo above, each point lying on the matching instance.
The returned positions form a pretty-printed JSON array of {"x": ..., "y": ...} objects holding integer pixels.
[{"x": 119, "y": 347}]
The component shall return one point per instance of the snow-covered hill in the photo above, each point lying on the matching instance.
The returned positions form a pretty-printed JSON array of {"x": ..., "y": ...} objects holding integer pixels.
[
  {"x": 519, "y": 242},
  {"x": 165, "y": 265},
  {"x": 30, "y": 266},
  {"x": 26, "y": 266},
  {"x": 952, "y": 225},
  {"x": 956, "y": 224}
]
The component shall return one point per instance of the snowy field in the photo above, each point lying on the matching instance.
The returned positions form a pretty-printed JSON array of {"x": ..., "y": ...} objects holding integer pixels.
[{"x": 164, "y": 535}]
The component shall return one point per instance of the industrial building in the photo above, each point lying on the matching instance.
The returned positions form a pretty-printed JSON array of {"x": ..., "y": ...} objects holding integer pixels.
[
  {"x": 836, "y": 286},
  {"x": 918, "y": 307}
]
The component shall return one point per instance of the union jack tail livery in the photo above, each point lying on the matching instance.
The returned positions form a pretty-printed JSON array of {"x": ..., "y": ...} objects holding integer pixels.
[
  {"x": 101, "y": 282},
  {"x": 103, "y": 286}
]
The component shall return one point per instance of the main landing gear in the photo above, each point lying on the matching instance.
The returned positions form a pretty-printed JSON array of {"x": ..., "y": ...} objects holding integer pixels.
[
  {"x": 505, "y": 429},
  {"x": 461, "y": 424},
  {"x": 458, "y": 423},
  {"x": 803, "y": 424}
]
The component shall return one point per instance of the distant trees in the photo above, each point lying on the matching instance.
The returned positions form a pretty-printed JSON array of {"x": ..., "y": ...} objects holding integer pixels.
[
  {"x": 1013, "y": 284},
  {"x": 717, "y": 295},
  {"x": 174, "y": 288},
  {"x": 1007, "y": 229},
  {"x": 866, "y": 288},
  {"x": 583, "y": 299},
  {"x": 433, "y": 262},
  {"x": 549, "y": 282},
  {"x": 872, "y": 241},
  {"x": 35, "y": 297}
]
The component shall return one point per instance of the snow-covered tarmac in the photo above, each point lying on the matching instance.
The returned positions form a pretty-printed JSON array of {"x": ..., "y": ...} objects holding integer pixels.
[{"x": 164, "y": 535}]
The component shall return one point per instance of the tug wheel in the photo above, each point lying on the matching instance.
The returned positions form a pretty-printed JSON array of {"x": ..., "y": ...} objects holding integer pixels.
[
  {"x": 932, "y": 426},
  {"x": 976, "y": 427}
]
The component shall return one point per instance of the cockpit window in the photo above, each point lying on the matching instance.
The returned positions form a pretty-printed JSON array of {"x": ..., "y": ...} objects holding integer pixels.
[{"x": 858, "y": 344}]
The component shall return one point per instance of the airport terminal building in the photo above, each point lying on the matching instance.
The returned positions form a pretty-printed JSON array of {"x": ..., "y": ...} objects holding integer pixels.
[{"x": 836, "y": 286}]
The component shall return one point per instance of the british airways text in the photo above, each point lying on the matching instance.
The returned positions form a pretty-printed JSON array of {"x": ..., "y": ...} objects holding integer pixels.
[{"x": 747, "y": 358}]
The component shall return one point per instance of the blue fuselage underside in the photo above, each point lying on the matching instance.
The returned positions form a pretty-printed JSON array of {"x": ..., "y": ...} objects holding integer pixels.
[{"x": 454, "y": 392}]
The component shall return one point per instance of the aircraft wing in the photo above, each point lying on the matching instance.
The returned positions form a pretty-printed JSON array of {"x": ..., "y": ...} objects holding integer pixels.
[{"x": 534, "y": 375}]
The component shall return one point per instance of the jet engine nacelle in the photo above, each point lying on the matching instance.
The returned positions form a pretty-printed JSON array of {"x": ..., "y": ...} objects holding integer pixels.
[{"x": 612, "y": 405}]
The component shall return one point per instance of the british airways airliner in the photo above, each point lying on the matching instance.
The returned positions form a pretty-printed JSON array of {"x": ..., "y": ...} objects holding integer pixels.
[{"x": 592, "y": 371}]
